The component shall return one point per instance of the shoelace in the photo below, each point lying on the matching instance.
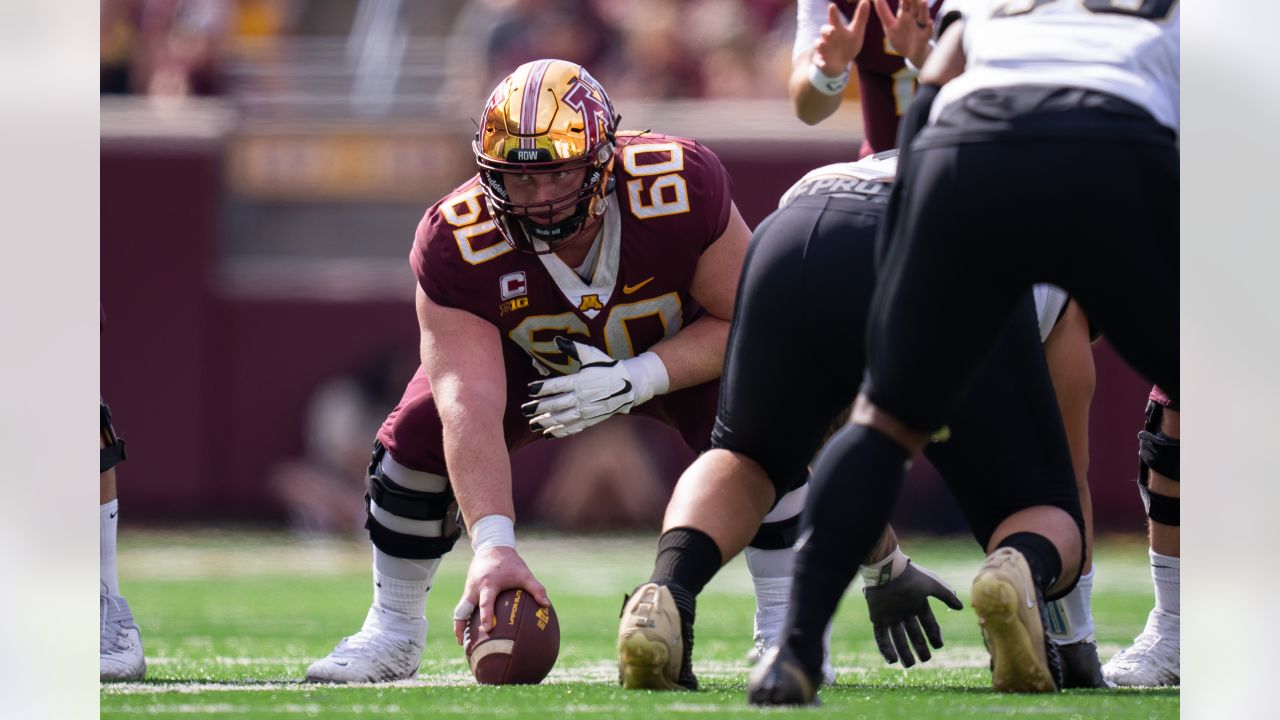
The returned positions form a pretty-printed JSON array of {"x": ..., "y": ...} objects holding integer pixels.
[
  {"x": 367, "y": 641},
  {"x": 1130, "y": 656},
  {"x": 113, "y": 633}
]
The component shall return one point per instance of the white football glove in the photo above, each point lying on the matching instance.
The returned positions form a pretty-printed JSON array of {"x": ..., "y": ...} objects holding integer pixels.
[{"x": 603, "y": 387}]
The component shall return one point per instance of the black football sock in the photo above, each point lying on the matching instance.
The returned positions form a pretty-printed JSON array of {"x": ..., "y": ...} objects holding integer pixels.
[
  {"x": 686, "y": 557},
  {"x": 855, "y": 482},
  {"x": 1042, "y": 557},
  {"x": 687, "y": 560}
]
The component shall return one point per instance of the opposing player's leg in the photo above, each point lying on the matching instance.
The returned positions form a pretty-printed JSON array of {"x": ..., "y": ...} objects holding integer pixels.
[
  {"x": 775, "y": 408},
  {"x": 1069, "y": 353},
  {"x": 771, "y": 558},
  {"x": 120, "y": 654},
  {"x": 941, "y": 302},
  {"x": 412, "y": 521},
  {"x": 1154, "y": 658},
  {"x": 1009, "y": 465}
]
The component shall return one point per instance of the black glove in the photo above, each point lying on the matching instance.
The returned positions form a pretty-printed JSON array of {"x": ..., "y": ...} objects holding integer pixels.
[{"x": 900, "y": 607}]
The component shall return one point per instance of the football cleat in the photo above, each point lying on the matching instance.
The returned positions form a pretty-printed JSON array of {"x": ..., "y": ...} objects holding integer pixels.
[
  {"x": 388, "y": 647},
  {"x": 1153, "y": 660},
  {"x": 1011, "y": 615},
  {"x": 655, "y": 646},
  {"x": 780, "y": 679},
  {"x": 768, "y": 627},
  {"x": 119, "y": 642},
  {"x": 1080, "y": 665}
]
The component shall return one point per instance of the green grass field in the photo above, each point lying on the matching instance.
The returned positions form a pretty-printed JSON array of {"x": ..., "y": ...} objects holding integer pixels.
[{"x": 231, "y": 620}]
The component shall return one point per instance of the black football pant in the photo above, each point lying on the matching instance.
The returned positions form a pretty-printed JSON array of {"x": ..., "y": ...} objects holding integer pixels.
[{"x": 796, "y": 355}]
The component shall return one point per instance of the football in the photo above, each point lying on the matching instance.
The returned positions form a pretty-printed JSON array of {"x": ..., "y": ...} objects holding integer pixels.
[{"x": 521, "y": 648}]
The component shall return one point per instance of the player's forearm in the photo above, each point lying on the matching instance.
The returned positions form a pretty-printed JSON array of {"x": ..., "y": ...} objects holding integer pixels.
[
  {"x": 479, "y": 466},
  {"x": 694, "y": 355},
  {"x": 812, "y": 107}
]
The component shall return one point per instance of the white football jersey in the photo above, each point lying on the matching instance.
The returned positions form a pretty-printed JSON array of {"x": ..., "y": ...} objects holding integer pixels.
[
  {"x": 847, "y": 178},
  {"x": 1126, "y": 48}
]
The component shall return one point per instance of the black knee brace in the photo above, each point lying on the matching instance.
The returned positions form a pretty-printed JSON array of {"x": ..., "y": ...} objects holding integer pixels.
[
  {"x": 409, "y": 505},
  {"x": 1158, "y": 452},
  {"x": 112, "y": 446}
]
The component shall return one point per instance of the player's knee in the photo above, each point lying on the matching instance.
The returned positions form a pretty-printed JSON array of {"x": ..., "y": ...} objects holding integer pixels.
[
  {"x": 1158, "y": 467},
  {"x": 868, "y": 413},
  {"x": 411, "y": 514},
  {"x": 112, "y": 446}
]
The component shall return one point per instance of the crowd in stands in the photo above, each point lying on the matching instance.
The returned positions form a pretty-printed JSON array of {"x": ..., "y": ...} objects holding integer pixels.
[{"x": 656, "y": 49}]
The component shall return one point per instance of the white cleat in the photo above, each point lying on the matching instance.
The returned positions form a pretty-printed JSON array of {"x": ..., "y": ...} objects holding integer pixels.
[
  {"x": 1153, "y": 660},
  {"x": 388, "y": 647},
  {"x": 119, "y": 642},
  {"x": 768, "y": 627}
]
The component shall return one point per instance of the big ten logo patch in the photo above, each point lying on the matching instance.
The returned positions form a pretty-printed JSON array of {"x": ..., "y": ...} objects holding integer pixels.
[
  {"x": 544, "y": 617},
  {"x": 512, "y": 305},
  {"x": 590, "y": 302}
]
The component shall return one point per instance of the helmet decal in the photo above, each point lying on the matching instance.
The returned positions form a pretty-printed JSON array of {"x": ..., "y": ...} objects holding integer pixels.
[
  {"x": 529, "y": 104},
  {"x": 597, "y": 113}
]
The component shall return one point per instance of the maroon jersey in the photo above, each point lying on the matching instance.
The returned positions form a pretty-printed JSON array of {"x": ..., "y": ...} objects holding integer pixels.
[
  {"x": 885, "y": 82},
  {"x": 671, "y": 201}
]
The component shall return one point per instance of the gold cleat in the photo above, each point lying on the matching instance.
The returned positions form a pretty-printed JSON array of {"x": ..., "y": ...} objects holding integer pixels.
[
  {"x": 650, "y": 647},
  {"x": 1009, "y": 613}
]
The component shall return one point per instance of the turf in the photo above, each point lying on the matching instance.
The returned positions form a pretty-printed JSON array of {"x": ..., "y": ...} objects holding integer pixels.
[{"x": 230, "y": 620}]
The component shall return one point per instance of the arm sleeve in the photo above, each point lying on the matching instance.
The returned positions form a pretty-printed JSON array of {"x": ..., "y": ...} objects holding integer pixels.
[{"x": 811, "y": 15}]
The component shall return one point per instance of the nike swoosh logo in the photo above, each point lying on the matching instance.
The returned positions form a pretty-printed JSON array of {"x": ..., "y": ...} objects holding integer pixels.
[
  {"x": 628, "y": 289},
  {"x": 113, "y": 515},
  {"x": 1030, "y": 600}
]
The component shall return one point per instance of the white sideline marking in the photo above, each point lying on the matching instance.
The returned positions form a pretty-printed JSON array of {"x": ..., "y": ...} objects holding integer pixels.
[{"x": 311, "y": 709}]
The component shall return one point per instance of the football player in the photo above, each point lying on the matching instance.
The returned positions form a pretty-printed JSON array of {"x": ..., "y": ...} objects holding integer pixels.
[
  {"x": 582, "y": 273},
  {"x": 119, "y": 642},
  {"x": 999, "y": 193},
  {"x": 810, "y": 267},
  {"x": 887, "y": 48},
  {"x": 1154, "y": 658}
]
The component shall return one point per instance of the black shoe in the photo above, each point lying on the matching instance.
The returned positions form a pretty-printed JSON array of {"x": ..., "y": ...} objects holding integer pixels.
[
  {"x": 780, "y": 679},
  {"x": 1080, "y": 666}
]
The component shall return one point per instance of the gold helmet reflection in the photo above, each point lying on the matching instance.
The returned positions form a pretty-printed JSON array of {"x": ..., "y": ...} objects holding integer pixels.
[{"x": 548, "y": 116}]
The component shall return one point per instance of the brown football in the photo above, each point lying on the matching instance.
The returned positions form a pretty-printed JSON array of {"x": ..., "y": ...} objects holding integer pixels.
[{"x": 521, "y": 648}]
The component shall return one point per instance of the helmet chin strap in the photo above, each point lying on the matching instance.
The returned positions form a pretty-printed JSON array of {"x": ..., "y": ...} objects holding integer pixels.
[{"x": 588, "y": 228}]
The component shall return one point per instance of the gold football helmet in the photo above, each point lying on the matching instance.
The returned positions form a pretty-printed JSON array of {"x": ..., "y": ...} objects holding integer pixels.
[{"x": 548, "y": 116}]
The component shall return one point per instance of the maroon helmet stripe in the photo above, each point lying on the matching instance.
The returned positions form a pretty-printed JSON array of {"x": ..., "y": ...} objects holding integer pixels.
[{"x": 529, "y": 103}]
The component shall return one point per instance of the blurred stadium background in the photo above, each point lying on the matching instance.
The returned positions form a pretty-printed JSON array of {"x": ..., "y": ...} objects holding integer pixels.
[{"x": 263, "y": 166}]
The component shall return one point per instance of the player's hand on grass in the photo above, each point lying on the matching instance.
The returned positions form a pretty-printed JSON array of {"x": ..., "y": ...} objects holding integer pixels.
[
  {"x": 492, "y": 571},
  {"x": 900, "y": 609}
]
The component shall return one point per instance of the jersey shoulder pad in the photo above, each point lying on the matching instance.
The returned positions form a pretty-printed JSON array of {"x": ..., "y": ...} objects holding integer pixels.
[
  {"x": 675, "y": 182},
  {"x": 455, "y": 236}
]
